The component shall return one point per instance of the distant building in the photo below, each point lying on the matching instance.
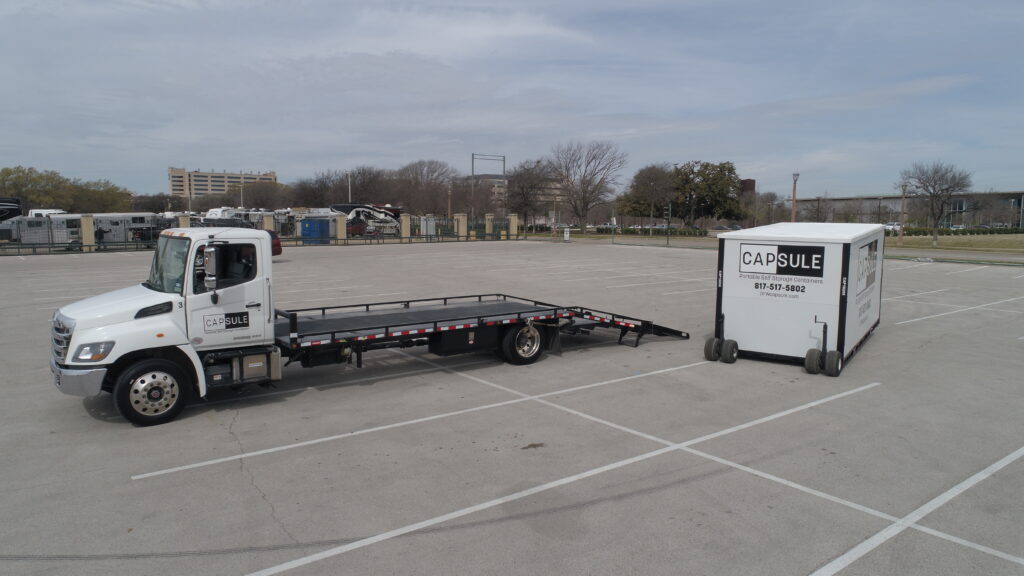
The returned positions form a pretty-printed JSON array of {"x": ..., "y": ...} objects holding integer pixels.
[
  {"x": 995, "y": 209},
  {"x": 195, "y": 183}
]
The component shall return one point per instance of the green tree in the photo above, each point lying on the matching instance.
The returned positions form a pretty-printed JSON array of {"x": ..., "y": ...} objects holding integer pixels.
[
  {"x": 650, "y": 191},
  {"x": 46, "y": 189},
  {"x": 707, "y": 190}
]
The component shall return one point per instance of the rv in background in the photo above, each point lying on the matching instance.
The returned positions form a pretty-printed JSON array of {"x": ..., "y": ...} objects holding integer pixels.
[
  {"x": 9, "y": 208},
  {"x": 41, "y": 212}
]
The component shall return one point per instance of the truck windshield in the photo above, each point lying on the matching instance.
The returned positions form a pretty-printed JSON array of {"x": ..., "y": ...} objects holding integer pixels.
[{"x": 167, "y": 274}]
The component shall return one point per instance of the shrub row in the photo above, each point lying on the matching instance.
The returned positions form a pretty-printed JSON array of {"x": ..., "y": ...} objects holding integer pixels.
[{"x": 915, "y": 231}]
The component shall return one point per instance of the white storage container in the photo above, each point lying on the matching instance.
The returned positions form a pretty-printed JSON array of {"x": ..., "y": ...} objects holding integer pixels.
[{"x": 806, "y": 292}]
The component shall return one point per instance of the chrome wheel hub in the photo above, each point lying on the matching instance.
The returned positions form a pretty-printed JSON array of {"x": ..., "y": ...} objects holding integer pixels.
[{"x": 153, "y": 393}]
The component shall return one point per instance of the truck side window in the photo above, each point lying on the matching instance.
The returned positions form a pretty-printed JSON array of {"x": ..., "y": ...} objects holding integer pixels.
[
  {"x": 239, "y": 262},
  {"x": 236, "y": 263},
  {"x": 199, "y": 273}
]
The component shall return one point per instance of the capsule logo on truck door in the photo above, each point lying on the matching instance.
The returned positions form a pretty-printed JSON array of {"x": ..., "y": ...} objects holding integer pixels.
[
  {"x": 782, "y": 260},
  {"x": 228, "y": 321}
]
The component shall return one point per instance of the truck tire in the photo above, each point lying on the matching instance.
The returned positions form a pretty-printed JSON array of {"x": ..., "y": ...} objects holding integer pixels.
[
  {"x": 521, "y": 345},
  {"x": 730, "y": 351},
  {"x": 812, "y": 361},
  {"x": 833, "y": 363},
  {"x": 712, "y": 349},
  {"x": 151, "y": 392}
]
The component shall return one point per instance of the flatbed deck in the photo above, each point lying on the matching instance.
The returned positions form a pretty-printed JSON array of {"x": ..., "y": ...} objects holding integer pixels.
[{"x": 306, "y": 327}]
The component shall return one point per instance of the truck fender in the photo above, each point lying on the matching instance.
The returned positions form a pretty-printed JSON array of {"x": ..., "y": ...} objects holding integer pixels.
[
  {"x": 197, "y": 367},
  {"x": 148, "y": 337}
]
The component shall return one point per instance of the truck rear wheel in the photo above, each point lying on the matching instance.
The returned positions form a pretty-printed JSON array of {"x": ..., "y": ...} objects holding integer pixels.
[
  {"x": 151, "y": 392},
  {"x": 521, "y": 345}
]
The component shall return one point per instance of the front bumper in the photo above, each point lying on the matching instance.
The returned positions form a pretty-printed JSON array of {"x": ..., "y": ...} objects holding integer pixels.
[{"x": 77, "y": 382}]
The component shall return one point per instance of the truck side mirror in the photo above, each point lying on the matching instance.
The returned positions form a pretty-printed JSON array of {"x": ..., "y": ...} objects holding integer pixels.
[{"x": 210, "y": 265}]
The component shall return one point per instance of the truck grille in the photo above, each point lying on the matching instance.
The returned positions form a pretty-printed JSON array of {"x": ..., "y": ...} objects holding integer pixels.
[{"x": 62, "y": 329}]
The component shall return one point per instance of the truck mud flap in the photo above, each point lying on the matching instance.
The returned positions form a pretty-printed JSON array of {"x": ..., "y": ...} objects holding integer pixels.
[{"x": 552, "y": 338}]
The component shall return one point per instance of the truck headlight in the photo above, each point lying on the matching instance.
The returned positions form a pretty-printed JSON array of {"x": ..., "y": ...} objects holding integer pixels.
[{"x": 93, "y": 352}]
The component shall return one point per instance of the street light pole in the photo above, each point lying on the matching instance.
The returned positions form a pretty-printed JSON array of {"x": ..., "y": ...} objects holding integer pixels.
[
  {"x": 792, "y": 212},
  {"x": 903, "y": 211}
]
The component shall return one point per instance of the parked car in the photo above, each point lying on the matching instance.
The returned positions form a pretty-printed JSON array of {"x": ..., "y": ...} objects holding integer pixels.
[
  {"x": 355, "y": 227},
  {"x": 275, "y": 243}
]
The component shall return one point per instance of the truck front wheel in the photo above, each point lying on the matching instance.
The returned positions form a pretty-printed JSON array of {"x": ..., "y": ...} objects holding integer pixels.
[
  {"x": 151, "y": 392},
  {"x": 521, "y": 345}
]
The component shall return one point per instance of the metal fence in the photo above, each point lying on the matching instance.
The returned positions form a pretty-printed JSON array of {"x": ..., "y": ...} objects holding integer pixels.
[{"x": 53, "y": 236}]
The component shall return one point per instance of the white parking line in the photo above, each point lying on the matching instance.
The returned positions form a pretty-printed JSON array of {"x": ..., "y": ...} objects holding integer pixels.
[
  {"x": 916, "y": 294},
  {"x": 902, "y": 524},
  {"x": 958, "y": 311},
  {"x": 967, "y": 270},
  {"x": 663, "y": 282},
  {"x": 855, "y": 506},
  {"x": 331, "y": 552},
  {"x": 909, "y": 267},
  {"x": 322, "y": 288},
  {"x": 686, "y": 291},
  {"x": 521, "y": 398},
  {"x": 279, "y": 302}
]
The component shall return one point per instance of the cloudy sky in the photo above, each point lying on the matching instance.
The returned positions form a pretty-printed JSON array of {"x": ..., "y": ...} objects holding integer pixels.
[{"x": 845, "y": 93}]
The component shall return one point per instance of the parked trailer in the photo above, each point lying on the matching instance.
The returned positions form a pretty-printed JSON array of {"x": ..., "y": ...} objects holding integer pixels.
[
  {"x": 55, "y": 229},
  {"x": 205, "y": 319},
  {"x": 59, "y": 229},
  {"x": 807, "y": 292}
]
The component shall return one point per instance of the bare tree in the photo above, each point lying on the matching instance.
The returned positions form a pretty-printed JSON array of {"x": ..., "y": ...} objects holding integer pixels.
[
  {"x": 424, "y": 186},
  {"x": 526, "y": 184},
  {"x": 587, "y": 173},
  {"x": 936, "y": 184}
]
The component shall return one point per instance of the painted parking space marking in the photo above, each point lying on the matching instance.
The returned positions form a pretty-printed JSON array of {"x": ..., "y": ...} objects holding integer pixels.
[
  {"x": 434, "y": 367},
  {"x": 915, "y": 294},
  {"x": 909, "y": 267},
  {"x": 960, "y": 310},
  {"x": 891, "y": 531},
  {"x": 662, "y": 282},
  {"x": 967, "y": 270},
  {"x": 686, "y": 291},
  {"x": 338, "y": 550}
]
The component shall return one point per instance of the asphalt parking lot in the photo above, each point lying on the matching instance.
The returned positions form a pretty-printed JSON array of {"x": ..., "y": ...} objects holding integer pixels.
[{"x": 606, "y": 459}]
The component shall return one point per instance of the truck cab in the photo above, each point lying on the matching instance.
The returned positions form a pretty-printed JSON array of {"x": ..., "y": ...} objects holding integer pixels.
[{"x": 203, "y": 318}]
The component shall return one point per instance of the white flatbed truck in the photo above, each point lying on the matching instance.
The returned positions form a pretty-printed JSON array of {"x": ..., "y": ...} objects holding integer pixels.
[{"x": 205, "y": 318}]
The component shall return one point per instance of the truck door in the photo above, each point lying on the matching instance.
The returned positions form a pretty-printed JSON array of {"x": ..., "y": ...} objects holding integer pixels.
[{"x": 237, "y": 316}]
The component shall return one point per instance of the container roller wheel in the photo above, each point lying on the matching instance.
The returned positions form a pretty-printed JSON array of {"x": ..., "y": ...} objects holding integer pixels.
[
  {"x": 730, "y": 351},
  {"x": 712, "y": 349}
]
